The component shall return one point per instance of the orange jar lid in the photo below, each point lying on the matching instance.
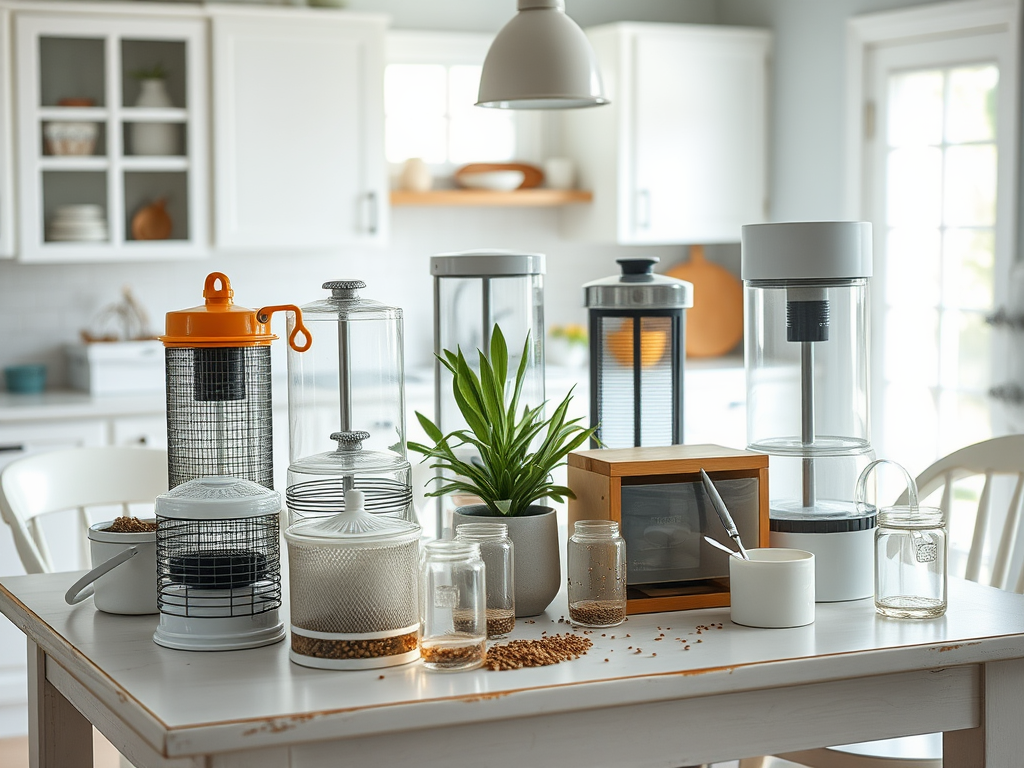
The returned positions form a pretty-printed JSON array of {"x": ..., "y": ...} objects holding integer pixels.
[{"x": 220, "y": 323}]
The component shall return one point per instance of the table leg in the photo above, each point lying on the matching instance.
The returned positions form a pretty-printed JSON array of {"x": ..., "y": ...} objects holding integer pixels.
[
  {"x": 58, "y": 735},
  {"x": 999, "y": 741}
]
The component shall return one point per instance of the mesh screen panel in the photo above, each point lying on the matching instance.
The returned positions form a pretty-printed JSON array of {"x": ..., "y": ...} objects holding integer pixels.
[
  {"x": 354, "y": 589},
  {"x": 218, "y": 568},
  {"x": 219, "y": 418},
  {"x": 382, "y": 496}
]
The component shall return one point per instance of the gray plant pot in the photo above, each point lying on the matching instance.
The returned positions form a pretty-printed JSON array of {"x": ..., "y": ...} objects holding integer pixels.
[{"x": 537, "y": 570}]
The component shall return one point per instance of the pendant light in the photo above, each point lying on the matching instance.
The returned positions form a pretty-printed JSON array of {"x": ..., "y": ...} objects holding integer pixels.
[{"x": 541, "y": 59}]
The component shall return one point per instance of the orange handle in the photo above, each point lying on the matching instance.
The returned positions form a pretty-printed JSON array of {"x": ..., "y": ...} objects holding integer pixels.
[
  {"x": 215, "y": 295},
  {"x": 263, "y": 315}
]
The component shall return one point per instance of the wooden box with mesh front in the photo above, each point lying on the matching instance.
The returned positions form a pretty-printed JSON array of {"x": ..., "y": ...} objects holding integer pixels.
[{"x": 657, "y": 498}]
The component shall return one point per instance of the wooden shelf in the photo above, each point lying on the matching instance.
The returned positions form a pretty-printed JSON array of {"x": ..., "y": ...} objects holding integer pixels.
[{"x": 519, "y": 197}]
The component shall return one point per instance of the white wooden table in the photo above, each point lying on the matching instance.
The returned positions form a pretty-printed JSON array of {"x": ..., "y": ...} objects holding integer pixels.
[{"x": 851, "y": 676}]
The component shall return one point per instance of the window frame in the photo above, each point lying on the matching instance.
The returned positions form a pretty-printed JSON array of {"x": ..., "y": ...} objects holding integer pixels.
[{"x": 462, "y": 48}]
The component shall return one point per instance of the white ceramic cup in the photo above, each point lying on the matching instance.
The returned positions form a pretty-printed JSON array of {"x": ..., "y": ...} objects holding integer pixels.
[
  {"x": 559, "y": 173},
  {"x": 124, "y": 572},
  {"x": 774, "y": 588}
]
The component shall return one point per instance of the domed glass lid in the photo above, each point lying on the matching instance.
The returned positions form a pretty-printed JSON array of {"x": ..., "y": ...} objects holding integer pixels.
[
  {"x": 354, "y": 523},
  {"x": 218, "y": 497},
  {"x": 346, "y": 303},
  {"x": 350, "y": 457}
]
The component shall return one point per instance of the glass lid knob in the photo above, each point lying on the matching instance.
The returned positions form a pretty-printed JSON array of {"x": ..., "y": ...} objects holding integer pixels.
[{"x": 350, "y": 441}]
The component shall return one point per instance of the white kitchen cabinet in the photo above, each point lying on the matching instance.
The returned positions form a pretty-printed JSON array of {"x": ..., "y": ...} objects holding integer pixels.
[
  {"x": 679, "y": 156},
  {"x": 6, "y": 139},
  {"x": 298, "y": 128},
  {"x": 90, "y": 59}
]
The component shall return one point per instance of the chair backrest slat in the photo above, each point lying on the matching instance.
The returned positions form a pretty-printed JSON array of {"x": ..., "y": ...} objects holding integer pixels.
[
  {"x": 974, "y": 557},
  {"x": 1008, "y": 539}
]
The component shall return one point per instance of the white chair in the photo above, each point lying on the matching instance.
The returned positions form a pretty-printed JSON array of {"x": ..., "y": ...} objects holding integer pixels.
[
  {"x": 998, "y": 456},
  {"x": 74, "y": 478}
]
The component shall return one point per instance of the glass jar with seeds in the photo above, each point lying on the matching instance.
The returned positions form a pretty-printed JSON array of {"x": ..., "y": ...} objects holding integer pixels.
[
  {"x": 453, "y": 606},
  {"x": 596, "y": 562},
  {"x": 496, "y": 552}
]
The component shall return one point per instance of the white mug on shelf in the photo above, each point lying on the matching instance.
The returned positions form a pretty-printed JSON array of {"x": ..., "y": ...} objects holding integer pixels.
[{"x": 559, "y": 173}]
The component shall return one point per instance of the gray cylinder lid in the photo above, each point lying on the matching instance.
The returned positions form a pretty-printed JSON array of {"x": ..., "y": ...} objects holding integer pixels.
[
  {"x": 806, "y": 250},
  {"x": 638, "y": 287},
  {"x": 487, "y": 264}
]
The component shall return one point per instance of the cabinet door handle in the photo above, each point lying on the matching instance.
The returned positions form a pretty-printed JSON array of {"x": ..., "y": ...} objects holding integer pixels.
[
  {"x": 373, "y": 223},
  {"x": 643, "y": 209}
]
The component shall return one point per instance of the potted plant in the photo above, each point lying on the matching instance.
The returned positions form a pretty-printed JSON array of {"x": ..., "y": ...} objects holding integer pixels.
[{"x": 515, "y": 449}]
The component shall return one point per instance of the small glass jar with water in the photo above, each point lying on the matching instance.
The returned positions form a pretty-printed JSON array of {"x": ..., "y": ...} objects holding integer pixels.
[
  {"x": 910, "y": 554},
  {"x": 910, "y": 562},
  {"x": 596, "y": 562},
  {"x": 453, "y": 606},
  {"x": 496, "y": 552}
]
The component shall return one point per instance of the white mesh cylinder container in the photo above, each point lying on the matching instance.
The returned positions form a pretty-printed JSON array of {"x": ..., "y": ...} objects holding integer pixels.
[{"x": 353, "y": 581}]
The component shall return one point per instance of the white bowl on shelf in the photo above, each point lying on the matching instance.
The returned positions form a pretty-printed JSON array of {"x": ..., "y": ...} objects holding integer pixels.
[
  {"x": 70, "y": 139},
  {"x": 498, "y": 181}
]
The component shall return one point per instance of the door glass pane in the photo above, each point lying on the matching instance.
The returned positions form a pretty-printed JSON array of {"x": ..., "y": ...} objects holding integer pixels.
[
  {"x": 968, "y": 268},
  {"x": 970, "y": 186},
  {"x": 915, "y": 187},
  {"x": 971, "y": 113},
  {"x": 915, "y": 103},
  {"x": 913, "y": 258}
]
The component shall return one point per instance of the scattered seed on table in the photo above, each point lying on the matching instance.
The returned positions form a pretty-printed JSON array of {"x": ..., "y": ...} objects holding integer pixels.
[
  {"x": 381, "y": 677},
  {"x": 700, "y": 641}
]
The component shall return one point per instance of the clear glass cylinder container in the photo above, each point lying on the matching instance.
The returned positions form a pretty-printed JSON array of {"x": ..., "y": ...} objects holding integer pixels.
[
  {"x": 637, "y": 352},
  {"x": 317, "y": 484},
  {"x": 453, "y": 606},
  {"x": 496, "y": 552},
  {"x": 806, "y": 338},
  {"x": 596, "y": 563},
  {"x": 352, "y": 378},
  {"x": 473, "y": 291},
  {"x": 910, "y": 562}
]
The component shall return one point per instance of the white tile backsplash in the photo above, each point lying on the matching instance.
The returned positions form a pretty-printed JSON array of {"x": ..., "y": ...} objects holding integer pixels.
[{"x": 42, "y": 307}]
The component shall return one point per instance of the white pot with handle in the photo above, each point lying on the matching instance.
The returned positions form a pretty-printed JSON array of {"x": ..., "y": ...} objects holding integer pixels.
[{"x": 124, "y": 572}]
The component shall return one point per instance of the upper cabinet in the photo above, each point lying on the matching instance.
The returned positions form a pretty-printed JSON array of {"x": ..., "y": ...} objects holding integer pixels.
[
  {"x": 679, "y": 156},
  {"x": 298, "y": 128},
  {"x": 112, "y": 136}
]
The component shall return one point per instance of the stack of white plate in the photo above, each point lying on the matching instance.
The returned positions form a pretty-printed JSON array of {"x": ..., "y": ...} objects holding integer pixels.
[{"x": 78, "y": 223}]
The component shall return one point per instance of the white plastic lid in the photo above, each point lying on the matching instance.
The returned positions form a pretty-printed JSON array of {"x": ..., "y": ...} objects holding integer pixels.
[
  {"x": 218, "y": 497},
  {"x": 488, "y": 263},
  {"x": 806, "y": 250}
]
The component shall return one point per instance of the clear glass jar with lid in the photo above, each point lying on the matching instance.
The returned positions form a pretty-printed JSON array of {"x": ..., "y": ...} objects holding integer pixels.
[
  {"x": 596, "y": 563},
  {"x": 496, "y": 552},
  {"x": 911, "y": 549},
  {"x": 453, "y": 606},
  {"x": 317, "y": 484},
  {"x": 352, "y": 378}
]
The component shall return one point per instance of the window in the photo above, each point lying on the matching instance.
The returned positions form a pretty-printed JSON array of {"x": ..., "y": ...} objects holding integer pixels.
[
  {"x": 430, "y": 88},
  {"x": 937, "y": 162}
]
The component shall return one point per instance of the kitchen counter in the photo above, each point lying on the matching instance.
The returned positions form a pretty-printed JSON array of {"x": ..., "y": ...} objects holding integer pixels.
[{"x": 69, "y": 404}]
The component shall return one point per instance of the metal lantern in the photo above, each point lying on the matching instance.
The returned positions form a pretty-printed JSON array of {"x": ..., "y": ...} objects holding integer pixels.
[
  {"x": 218, "y": 387},
  {"x": 218, "y": 558},
  {"x": 637, "y": 346},
  {"x": 317, "y": 485}
]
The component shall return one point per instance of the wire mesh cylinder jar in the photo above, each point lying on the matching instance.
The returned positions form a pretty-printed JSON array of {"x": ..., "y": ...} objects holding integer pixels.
[
  {"x": 218, "y": 387},
  {"x": 352, "y": 378},
  {"x": 353, "y": 589},
  {"x": 218, "y": 565},
  {"x": 637, "y": 347},
  {"x": 317, "y": 484}
]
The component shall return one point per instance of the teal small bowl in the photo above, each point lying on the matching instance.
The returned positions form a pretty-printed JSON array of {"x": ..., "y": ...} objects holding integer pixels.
[{"x": 25, "y": 379}]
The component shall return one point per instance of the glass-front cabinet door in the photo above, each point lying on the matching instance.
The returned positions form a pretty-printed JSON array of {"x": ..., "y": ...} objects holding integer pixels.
[{"x": 112, "y": 127}]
